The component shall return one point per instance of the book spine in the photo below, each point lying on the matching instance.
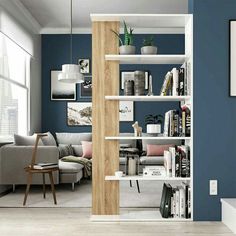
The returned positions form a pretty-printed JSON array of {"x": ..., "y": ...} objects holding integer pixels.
[
  {"x": 166, "y": 84},
  {"x": 189, "y": 202},
  {"x": 172, "y": 151},
  {"x": 183, "y": 123},
  {"x": 171, "y": 123},
  {"x": 166, "y": 124},
  {"x": 177, "y": 203},
  {"x": 181, "y": 81},
  {"x": 188, "y": 78},
  {"x": 167, "y": 162},
  {"x": 175, "y": 87},
  {"x": 182, "y": 202}
]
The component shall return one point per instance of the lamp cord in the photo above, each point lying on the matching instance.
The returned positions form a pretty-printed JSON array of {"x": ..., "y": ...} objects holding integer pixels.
[{"x": 71, "y": 40}]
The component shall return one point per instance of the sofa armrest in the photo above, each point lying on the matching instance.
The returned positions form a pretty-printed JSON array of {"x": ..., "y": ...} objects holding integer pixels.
[{"x": 13, "y": 160}]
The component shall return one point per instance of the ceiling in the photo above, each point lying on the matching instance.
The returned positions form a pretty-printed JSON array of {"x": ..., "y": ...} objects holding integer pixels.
[{"x": 54, "y": 15}]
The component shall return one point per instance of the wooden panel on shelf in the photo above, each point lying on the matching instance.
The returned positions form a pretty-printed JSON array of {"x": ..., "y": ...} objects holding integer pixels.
[{"x": 105, "y": 194}]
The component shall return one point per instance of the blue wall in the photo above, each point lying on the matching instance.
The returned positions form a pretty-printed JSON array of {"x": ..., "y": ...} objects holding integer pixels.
[
  {"x": 214, "y": 110},
  {"x": 55, "y": 52}
]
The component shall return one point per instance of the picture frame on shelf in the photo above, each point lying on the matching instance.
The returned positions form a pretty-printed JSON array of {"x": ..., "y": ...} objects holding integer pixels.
[
  {"x": 129, "y": 75},
  {"x": 84, "y": 64},
  {"x": 61, "y": 91},
  {"x": 126, "y": 110},
  {"x": 232, "y": 57},
  {"x": 86, "y": 87},
  {"x": 79, "y": 113}
]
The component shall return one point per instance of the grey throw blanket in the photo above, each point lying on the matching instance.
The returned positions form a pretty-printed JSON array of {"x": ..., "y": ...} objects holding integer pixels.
[{"x": 81, "y": 160}]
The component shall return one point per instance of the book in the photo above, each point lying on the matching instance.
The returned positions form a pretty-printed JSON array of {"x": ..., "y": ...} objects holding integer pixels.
[
  {"x": 177, "y": 211},
  {"x": 44, "y": 166},
  {"x": 185, "y": 160},
  {"x": 167, "y": 163},
  {"x": 182, "y": 203},
  {"x": 172, "y": 151},
  {"x": 181, "y": 81},
  {"x": 166, "y": 84},
  {"x": 186, "y": 187},
  {"x": 175, "y": 79},
  {"x": 166, "y": 124},
  {"x": 184, "y": 67},
  {"x": 165, "y": 206}
]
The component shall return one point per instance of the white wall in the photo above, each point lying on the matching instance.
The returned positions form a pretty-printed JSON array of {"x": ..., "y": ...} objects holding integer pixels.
[{"x": 18, "y": 27}]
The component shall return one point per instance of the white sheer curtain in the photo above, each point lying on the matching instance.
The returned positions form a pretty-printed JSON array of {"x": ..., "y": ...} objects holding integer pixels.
[{"x": 14, "y": 89}]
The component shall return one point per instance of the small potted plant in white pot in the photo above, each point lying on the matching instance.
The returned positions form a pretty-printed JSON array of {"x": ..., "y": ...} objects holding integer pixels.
[
  {"x": 148, "y": 46},
  {"x": 126, "y": 46},
  {"x": 153, "y": 124}
]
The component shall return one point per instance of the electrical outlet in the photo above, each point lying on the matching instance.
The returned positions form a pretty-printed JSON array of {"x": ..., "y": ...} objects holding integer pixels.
[{"x": 213, "y": 187}]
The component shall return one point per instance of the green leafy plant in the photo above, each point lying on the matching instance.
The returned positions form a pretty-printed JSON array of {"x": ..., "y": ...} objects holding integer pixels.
[
  {"x": 128, "y": 35},
  {"x": 149, "y": 41},
  {"x": 153, "y": 119}
]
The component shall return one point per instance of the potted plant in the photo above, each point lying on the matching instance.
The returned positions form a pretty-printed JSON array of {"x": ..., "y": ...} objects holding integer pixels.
[
  {"x": 153, "y": 123},
  {"x": 148, "y": 46},
  {"x": 127, "y": 44}
]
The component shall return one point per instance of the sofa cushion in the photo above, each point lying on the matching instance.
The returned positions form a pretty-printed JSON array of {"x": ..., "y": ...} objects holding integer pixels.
[
  {"x": 69, "y": 167},
  {"x": 157, "y": 150},
  {"x": 87, "y": 149},
  {"x": 49, "y": 140},
  {"x": 20, "y": 140},
  {"x": 152, "y": 160},
  {"x": 65, "y": 150},
  {"x": 73, "y": 138},
  {"x": 78, "y": 151}
]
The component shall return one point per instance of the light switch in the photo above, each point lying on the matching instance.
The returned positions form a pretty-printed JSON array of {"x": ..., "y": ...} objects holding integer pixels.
[{"x": 213, "y": 187}]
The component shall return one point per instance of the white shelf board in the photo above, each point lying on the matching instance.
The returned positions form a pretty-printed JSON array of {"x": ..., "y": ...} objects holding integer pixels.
[
  {"x": 149, "y": 98},
  {"x": 147, "y": 59},
  {"x": 146, "y": 20},
  {"x": 136, "y": 216},
  {"x": 145, "y": 137},
  {"x": 141, "y": 178}
]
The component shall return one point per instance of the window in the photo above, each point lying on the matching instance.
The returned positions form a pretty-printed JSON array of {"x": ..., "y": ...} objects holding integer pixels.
[{"x": 14, "y": 89}]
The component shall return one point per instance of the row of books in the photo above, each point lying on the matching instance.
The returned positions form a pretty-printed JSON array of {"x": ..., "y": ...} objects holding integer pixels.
[
  {"x": 178, "y": 123},
  {"x": 177, "y": 161},
  {"x": 177, "y": 82},
  {"x": 176, "y": 201}
]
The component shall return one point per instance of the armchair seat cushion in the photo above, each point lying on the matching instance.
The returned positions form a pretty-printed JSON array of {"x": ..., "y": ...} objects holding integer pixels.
[
  {"x": 152, "y": 160},
  {"x": 69, "y": 167}
]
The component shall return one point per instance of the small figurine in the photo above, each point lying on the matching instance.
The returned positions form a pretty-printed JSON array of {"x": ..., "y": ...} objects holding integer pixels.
[{"x": 137, "y": 129}]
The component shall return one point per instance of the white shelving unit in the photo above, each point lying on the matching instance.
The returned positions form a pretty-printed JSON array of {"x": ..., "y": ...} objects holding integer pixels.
[
  {"x": 145, "y": 137},
  {"x": 150, "y": 98},
  {"x": 164, "y": 23},
  {"x": 147, "y": 59}
]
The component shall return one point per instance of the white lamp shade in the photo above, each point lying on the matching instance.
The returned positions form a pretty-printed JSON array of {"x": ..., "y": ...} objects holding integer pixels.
[{"x": 71, "y": 74}]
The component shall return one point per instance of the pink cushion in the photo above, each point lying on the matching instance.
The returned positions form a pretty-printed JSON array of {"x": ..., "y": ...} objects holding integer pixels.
[
  {"x": 87, "y": 149},
  {"x": 157, "y": 150}
]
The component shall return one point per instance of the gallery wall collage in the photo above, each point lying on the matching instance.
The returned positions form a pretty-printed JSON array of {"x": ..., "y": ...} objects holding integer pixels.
[{"x": 80, "y": 113}]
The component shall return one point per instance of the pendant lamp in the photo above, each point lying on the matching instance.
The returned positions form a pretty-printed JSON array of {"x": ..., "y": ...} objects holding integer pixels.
[{"x": 71, "y": 72}]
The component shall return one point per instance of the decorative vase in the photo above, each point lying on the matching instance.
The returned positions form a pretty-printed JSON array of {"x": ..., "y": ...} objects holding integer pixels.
[
  {"x": 127, "y": 49},
  {"x": 129, "y": 88},
  {"x": 131, "y": 166},
  {"x": 139, "y": 83},
  {"x": 153, "y": 128},
  {"x": 148, "y": 50}
]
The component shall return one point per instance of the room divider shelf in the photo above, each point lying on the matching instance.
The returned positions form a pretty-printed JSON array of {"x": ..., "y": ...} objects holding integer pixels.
[
  {"x": 141, "y": 178},
  {"x": 145, "y": 137},
  {"x": 149, "y": 98},
  {"x": 147, "y": 59}
]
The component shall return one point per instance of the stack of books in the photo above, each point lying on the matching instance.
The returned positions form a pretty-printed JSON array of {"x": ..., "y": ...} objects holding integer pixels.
[
  {"x": 178, "y": 123},
  {"x": 177, "y": 82},
  {"x": 176, "y": 201},
  {"x": 44, "y": 166},
  {"x": 154, "y": 171},
  {"x": 177, "y": 161}
]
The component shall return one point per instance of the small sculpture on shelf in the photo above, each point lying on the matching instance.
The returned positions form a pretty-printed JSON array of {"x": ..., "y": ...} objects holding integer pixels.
[{"x": 137, "y": 129}]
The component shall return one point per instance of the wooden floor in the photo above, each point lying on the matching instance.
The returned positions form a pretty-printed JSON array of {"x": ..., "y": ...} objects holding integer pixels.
[{"x": 71, "y": 222}]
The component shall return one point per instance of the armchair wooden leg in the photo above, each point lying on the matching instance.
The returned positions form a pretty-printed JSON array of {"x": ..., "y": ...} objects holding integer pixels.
[
  {"x": 44, "y": 188},
  {"x": 29, "y": 180},
  {"x": 130, "y": 183},
  {"x": 52, "y": 187},
  {"x": 73, "y": 186},
  {"x": 138, "y": 186}
]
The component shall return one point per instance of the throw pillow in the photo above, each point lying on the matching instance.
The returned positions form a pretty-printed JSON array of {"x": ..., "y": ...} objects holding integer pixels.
[
  {"x": 157, "y": 150},
  {"x": 20, "y": 140},
  {"x": 65, "y": 150},
  {"x": 87, "y": 149},
  {"x": 49, "y": 140}
]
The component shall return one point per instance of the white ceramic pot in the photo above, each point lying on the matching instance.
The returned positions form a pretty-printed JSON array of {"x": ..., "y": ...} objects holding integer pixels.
[
  {"x": 127, "y": 49},
  {"x": 154, "y": 128},
  {"x": 147, "y": 50},
  {"x": 119, "y": 174}
]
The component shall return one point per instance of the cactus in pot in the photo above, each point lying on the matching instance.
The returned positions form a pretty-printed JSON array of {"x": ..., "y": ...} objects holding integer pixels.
[
  {"x": 126, "y": 46},
  {"x": 148, "y": 46}
]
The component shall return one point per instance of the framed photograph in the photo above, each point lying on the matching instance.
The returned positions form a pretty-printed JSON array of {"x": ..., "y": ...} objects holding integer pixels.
[
  {"x": 232, "y": 55},
  {"x": 126, "y": 110},
  {"x": 84, "y": 66},
  {"x": 86, "y": 87},
  {"x": 129, "y": 75},
  {"x": 61, "y": 91},
  {"x": 79, "y": 113}
]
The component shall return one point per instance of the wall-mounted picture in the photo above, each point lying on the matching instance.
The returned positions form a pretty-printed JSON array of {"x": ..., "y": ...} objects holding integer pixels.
[
  {"x": 60, "y": 90},
  {"x": 86, "y": 87},
  {"x": 129, "y": 75},
  {"x": 84, "y": 66},
  {"x": 126, "y": 110},
  {"x": 232, "y": 58},
  {"x": 79, "y": 113}
]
